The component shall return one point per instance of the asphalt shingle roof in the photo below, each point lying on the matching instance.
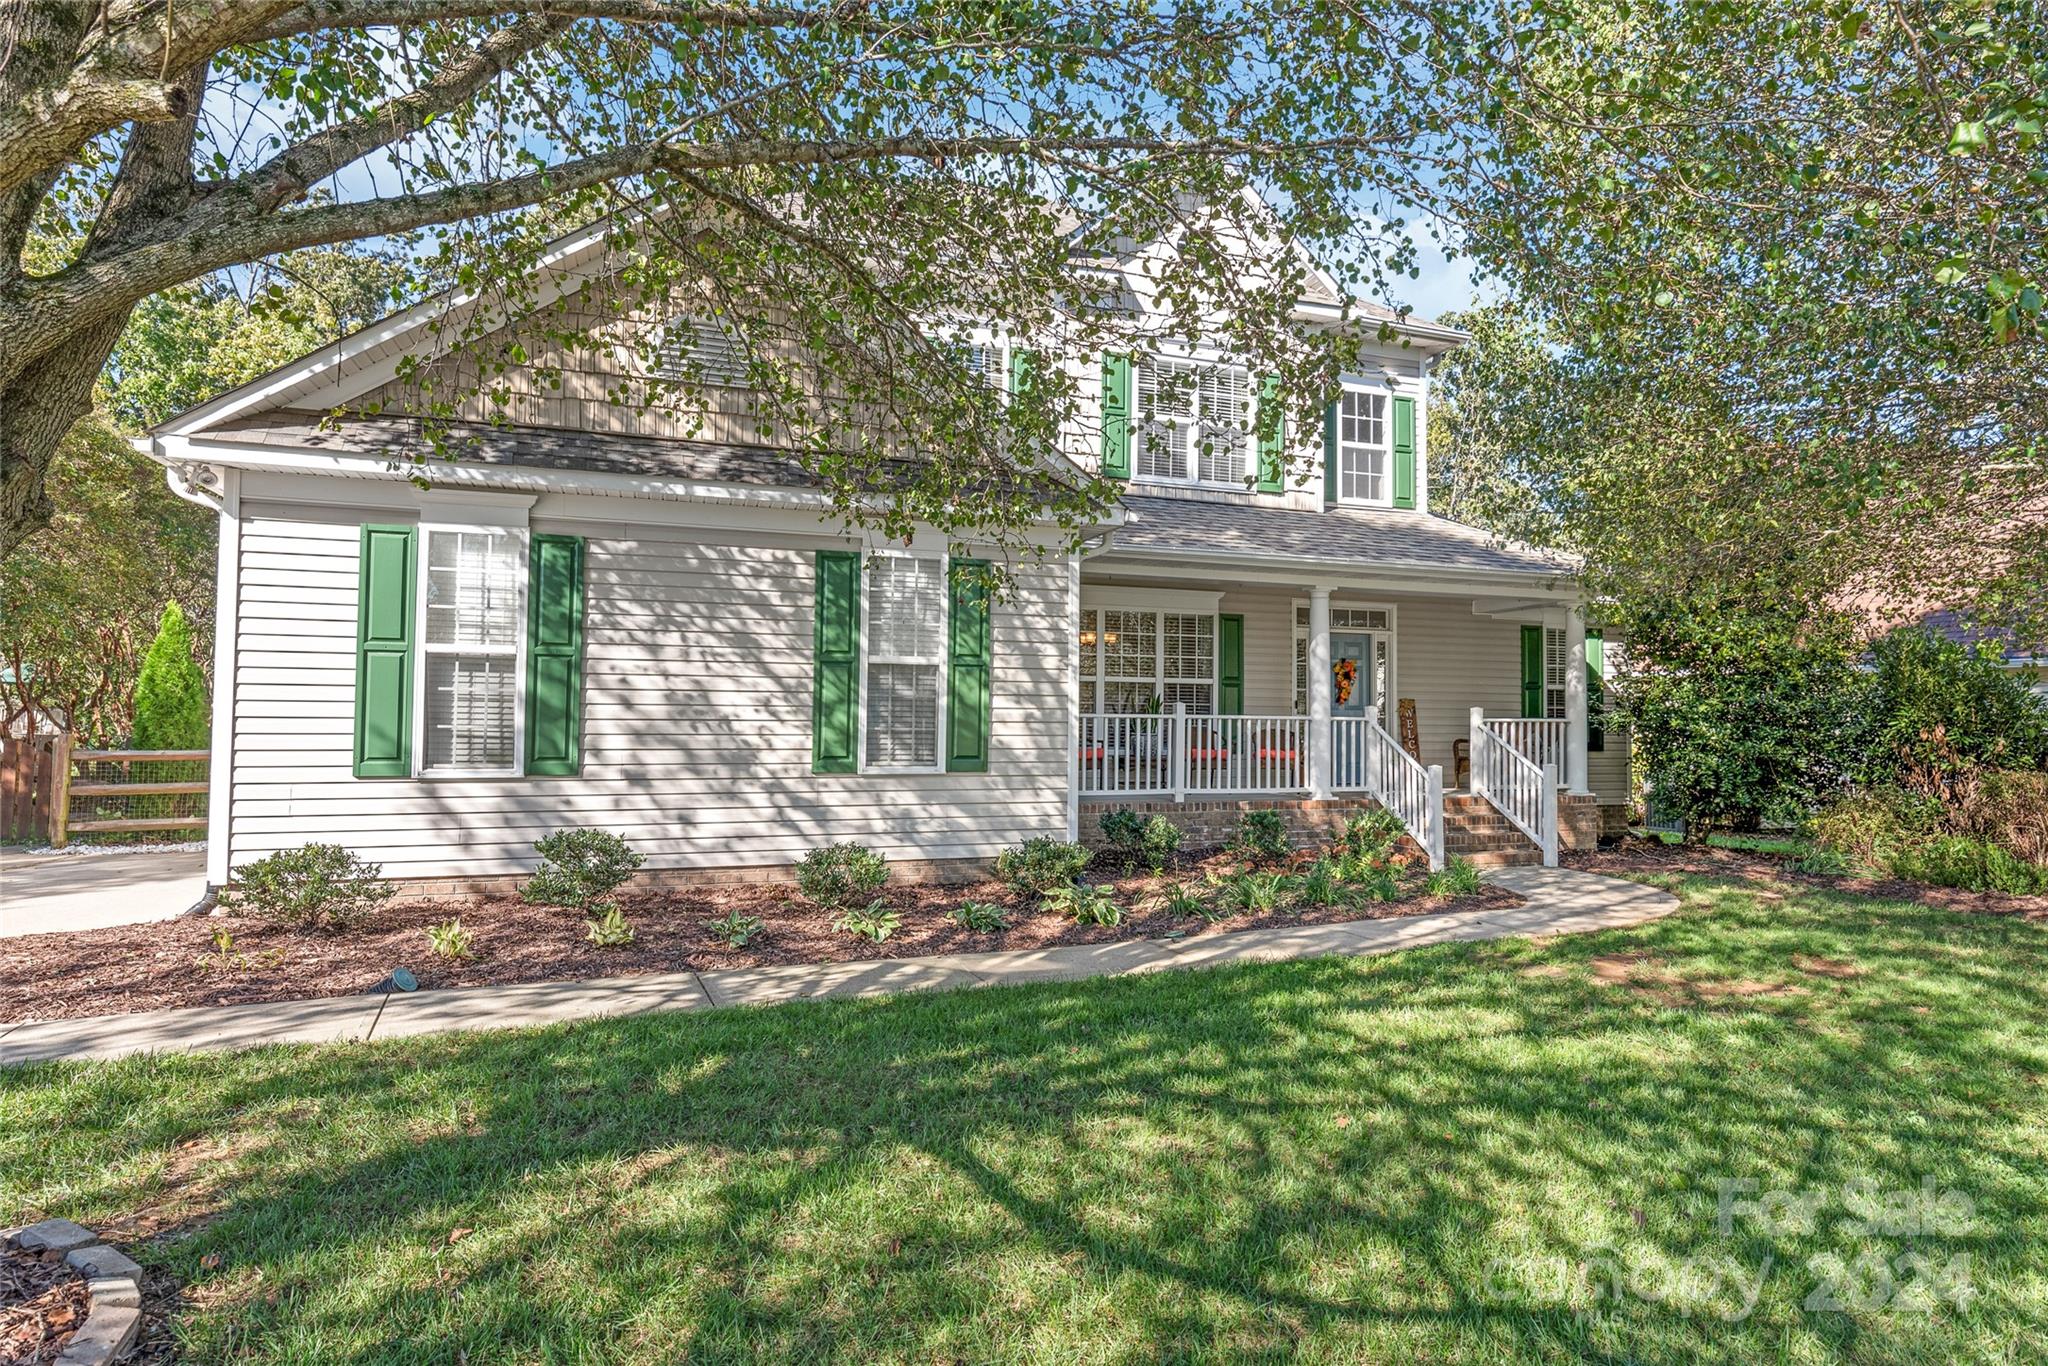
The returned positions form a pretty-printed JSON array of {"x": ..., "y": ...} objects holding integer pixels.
[
  {"x": 1199, "y": 527},
  {"x": 554, "y": 448}
]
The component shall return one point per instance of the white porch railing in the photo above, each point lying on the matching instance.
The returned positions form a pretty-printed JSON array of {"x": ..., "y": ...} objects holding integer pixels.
[
  {"x": 1523, "y": 791},
  {"x": 1366, "y": 758},
  {"x": 1539, "y": 739},
  {"x": 1176, "y": 755}
]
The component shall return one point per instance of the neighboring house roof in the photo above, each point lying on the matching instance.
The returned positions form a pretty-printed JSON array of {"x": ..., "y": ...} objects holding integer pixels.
[
  {"x": 1971, "y": 632},
  {"x": 1203, "y": 528}
]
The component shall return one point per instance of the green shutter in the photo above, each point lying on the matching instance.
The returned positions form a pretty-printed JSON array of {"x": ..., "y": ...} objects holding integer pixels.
[
  {"x": 1021, "y": 364},
  {"x": 1330, "y": 453},
  {"x": 1532, "y": 671},
  {"x": 384, "y": 640},
  {"x": 1404, "y": 452},
  {"x": 554, "y": 655},
  {"x": 969, "y": 656},
  {"x": 1116, "y": 416},
  {"x": 1596, "y": 691},
  {"x": 1230, "y": 676},
  {"x": 1272, "y": 437},
  {"x": 835, "y": 672}
]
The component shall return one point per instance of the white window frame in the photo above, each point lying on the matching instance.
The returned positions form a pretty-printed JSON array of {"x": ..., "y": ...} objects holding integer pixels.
[
  {"x": 1391, "y": 635},
  {"x": 1159, "y": 605},
  {"x": 1200, "y": 428},
  {"x": 867, "y": 656},
  {"x": 521, "y": 552},
  {"x": 1384, "y": 450}
]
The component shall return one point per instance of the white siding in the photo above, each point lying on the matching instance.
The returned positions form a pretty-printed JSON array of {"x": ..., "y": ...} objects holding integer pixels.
[{"x": 697, "y": 721}]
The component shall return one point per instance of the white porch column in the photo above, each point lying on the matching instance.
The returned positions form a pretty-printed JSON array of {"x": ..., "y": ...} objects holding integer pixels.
[
  {"x": 227, "y": 607},
  {"x": 1575, "y": 700},
  {"x": 1073, "y": 698},
  {"x": 1321, "y": 772}
]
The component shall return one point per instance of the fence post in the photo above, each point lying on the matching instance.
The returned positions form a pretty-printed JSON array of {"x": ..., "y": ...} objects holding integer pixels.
[
  {"x": 60, "y": 789},
  {"x": 1433, "y": 813},
  {"x": 1473, "y": 743},
  {"x": 1549, "y": 825}
]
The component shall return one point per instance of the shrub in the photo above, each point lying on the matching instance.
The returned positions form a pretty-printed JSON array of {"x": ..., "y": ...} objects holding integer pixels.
[
  {"x": 1939, "y": 711},
  {"x": 1875, "y": 827},
  {"x": 2007, "y": 808},
  {"x": 1744, "y": 716},
  {"x": 1181, "y": 899},
  {"x": 1458, "y": 877},
  {"x": 1378, "y": 884},
  {"x": 982, "y": 917},
  {"x": 873, "y": 921},
  {"x": 579, "y": 870},
  {"x": 321, "y": 886},
  {"x": 450, "y": 940},
  {"x": 1319, "y": 885},
  {"x": 734, "y": 928},
  {"x": 1979, "y": 866},
  {"x": 610, "y": 930},
  {"x": 1373, "y": 834},
  {"x": 1135, "y": 839},
  {"x": 1262, "y": 837},
  {"x": 1823, "y": 862},
  {"x": 1084, "y": 903},
  {"x": 1037, "y": 866},
  {"x": 1254, "y": 891},
  {"x": 841, "y": 874},
  {"x": 170, "y": 692}
]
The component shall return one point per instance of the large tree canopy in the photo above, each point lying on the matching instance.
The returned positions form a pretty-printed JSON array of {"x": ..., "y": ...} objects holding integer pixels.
[{"x": 1804, "y": 235}]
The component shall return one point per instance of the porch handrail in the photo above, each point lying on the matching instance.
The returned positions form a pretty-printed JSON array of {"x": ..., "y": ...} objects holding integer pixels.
[
  {"x": 1523, "y": 791},
  {"x": 1175, "y": 755},
  {"x": 1397, "y": 779},
  {"x": 1539, "y": 739}
]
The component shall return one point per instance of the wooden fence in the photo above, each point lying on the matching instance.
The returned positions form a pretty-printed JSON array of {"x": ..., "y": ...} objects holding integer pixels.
[{"x": 50, "y": 791}]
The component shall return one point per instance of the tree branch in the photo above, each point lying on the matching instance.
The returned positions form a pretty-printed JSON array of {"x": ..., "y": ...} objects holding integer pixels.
[
  {"x": 287, "y": 176},
  {"x": 125, "y": 76},
  {"x": 317, "y": 15}
]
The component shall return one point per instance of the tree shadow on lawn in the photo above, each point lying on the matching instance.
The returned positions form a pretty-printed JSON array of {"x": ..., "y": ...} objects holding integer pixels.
[{"x": 1380, "y": 1157}]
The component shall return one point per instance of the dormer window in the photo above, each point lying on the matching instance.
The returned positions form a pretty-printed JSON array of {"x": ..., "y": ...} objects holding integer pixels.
[
  {"x": 1362, "y": 448},
  {"x": 1193, "y": 422},
  {"x": 700, "y": 350}
]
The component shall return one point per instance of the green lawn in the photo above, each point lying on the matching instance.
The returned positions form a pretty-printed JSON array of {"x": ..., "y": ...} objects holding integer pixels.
[{"x": 1397, "y": 1159}]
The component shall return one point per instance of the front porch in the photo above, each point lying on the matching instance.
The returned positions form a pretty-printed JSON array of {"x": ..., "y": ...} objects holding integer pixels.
[{"x": 1260, "y": 692}]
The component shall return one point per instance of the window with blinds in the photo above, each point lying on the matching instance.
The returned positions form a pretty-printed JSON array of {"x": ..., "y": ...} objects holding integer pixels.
[
  {"x": 701, "y": 351},
  {"x": 906, "y": 643},
  {"x": 1139, "y": 661},
  {"x": 1194, "y": 422},
  {"x": 1362, "y": 448},
  {"x": 474, "y": 605},
  {"x": 1553, "y": 672}
]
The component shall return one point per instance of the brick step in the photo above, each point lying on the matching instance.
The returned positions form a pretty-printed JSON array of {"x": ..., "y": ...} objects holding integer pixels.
[{"x": 1504, "y": 858}]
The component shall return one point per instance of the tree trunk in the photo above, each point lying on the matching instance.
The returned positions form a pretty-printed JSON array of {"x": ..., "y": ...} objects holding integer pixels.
[{"x": 35, "y": 412}]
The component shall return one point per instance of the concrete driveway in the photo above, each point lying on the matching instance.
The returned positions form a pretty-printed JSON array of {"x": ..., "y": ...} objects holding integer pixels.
[{"x": 40, "y": 893}]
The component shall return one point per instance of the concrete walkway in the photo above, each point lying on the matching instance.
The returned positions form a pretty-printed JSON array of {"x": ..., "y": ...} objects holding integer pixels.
[
  {"x": 76, "y": 890},
  {"x": 1559, "y": 901}
]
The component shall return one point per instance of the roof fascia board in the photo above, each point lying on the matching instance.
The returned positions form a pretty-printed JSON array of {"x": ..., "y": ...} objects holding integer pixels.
[{"x": 1414, "y": 577}]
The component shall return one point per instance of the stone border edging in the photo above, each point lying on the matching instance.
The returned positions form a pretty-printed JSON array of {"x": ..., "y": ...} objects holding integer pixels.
[{"x": 113, "y": 1286}]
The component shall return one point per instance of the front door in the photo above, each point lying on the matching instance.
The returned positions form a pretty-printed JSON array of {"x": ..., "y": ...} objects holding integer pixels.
[{"x": 1351, "y": 683}]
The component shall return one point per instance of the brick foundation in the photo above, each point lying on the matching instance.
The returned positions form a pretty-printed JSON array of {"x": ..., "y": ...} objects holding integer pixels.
[{"x": 1213, "y": 824}]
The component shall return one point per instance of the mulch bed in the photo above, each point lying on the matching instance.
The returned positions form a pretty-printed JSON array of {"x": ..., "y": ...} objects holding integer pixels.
[
  {"x": 1637, "y": 855},
  {"x": 42, "y": 1302},
  {"x": 156, "y": 966}
]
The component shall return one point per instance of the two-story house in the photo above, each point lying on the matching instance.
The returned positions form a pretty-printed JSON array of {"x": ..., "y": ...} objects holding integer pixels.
[{"x": 592, "y": 620}]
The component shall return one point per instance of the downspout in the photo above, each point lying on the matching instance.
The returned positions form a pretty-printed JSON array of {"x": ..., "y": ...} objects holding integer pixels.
[{"x": 218, "y": 488}]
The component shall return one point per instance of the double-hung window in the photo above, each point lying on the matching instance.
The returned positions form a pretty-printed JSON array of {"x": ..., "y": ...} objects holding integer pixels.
[
  {"x": 1553, "y": 671},
  {"x": 473, "y": 619},
  {"x": 1135, "y": 661},
  {"x": 904, "y": 684},
  {"x": 1193, "y": 422},
  {"x": 1362, "y": 447}
]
